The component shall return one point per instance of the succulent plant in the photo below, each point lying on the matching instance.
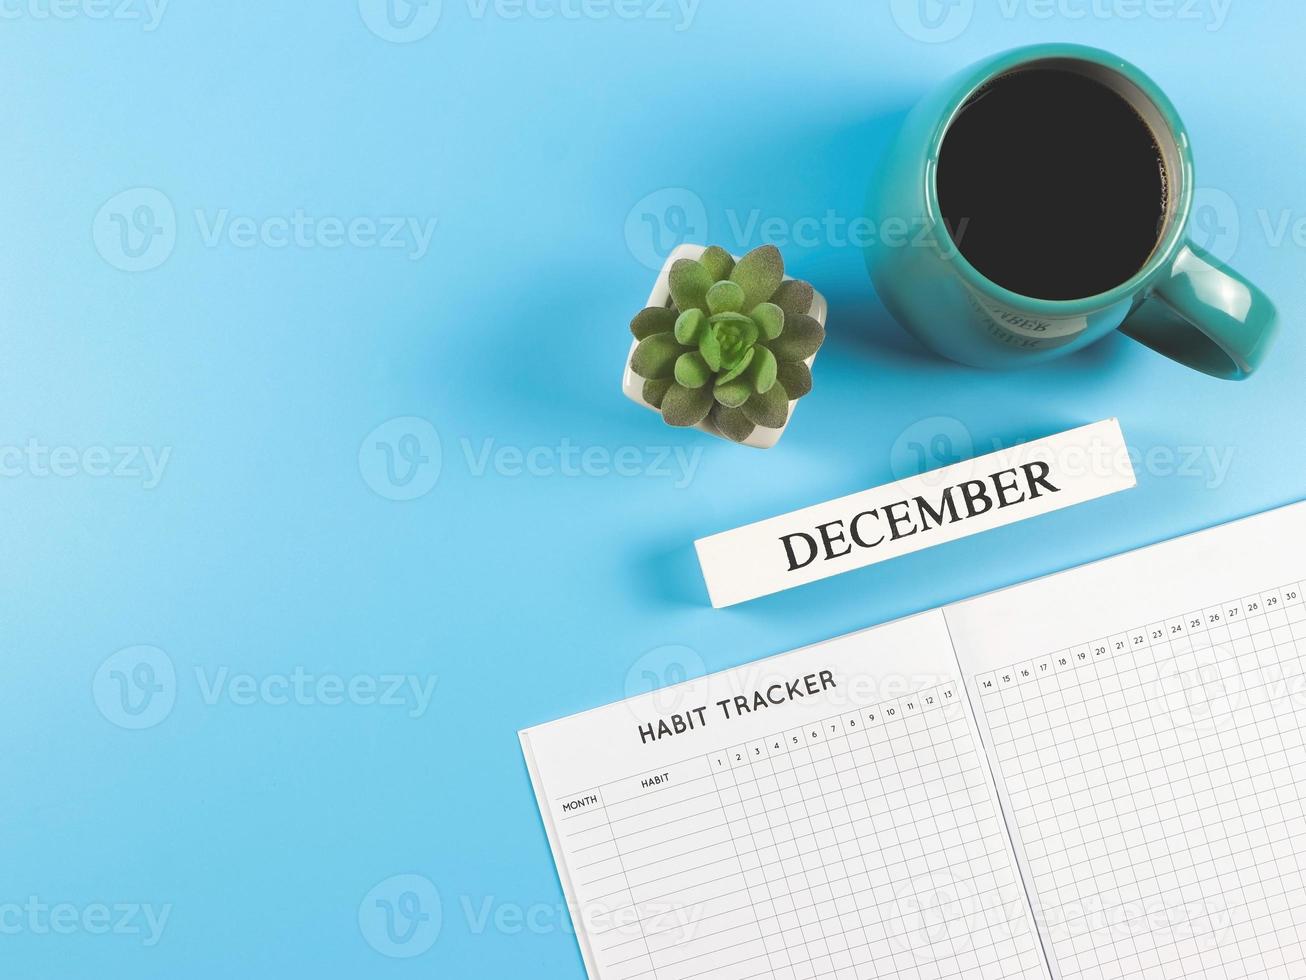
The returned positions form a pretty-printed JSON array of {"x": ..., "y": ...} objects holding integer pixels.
[{"x": 733, "y": 348}]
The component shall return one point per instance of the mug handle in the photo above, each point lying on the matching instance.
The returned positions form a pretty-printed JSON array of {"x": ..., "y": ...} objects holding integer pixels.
[{"x": 1206, "y": 316}]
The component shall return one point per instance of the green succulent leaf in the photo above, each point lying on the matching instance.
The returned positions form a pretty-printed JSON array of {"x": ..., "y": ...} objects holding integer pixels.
[
  {"x": 733, "y": 393},
  {"x": 770, "y": 320},
  {"x": 739, "y": 368},
  {"x": 655, "y": 319},
  {"x": 710, "y": 348},
  {"x": 718, "y": 262},
  {"x": 655, "y": 357},
  {"x": 795, "y": 297},
  {"x": 801, "y": 339},
  {"x": 655, "y": 391},
  {"x": 690, "y": 326},
  {"x": 692, "y": 371},
  {"x": 690, "y": 282},
  {"x": 762, "y": 372},
  {"x": 683, "y": 406},
  {"x": 725, "y": 297},
  {"x": 796, "y": 376},
  {"x": 732, "y": 423},
  {"x": 736, "y": 333},
  {"x": 770, "y": 410},
  {"x": 760, "y": 273}
]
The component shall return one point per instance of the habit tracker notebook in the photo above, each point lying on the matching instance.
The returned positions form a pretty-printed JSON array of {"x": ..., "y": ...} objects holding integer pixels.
[{"x": 1096, "y": 774}]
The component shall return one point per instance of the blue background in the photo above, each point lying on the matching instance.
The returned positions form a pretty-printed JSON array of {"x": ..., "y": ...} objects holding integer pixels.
[{"x": 531, "y": 581}]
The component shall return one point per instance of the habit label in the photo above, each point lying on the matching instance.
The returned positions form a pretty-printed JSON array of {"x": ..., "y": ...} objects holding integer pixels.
[{"x": 919, "y": 512}]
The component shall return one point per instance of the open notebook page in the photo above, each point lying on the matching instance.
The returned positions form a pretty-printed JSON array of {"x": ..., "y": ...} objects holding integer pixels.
[
  {"x": 1145, "y": 718},
  {"x": 825, "y": 813}
]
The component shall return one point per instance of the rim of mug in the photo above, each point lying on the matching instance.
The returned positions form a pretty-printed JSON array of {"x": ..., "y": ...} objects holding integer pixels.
[{"x": 1168, "y": 243}]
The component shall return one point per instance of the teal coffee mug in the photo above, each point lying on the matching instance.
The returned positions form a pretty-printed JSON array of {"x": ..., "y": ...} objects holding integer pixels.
[{"x": 1078, "y": 174}]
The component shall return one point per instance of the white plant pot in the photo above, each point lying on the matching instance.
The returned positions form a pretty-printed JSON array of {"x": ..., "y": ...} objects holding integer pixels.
[{"x": 632, "y": 385}]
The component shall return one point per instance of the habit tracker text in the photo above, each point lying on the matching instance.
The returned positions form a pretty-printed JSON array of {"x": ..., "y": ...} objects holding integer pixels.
[{"x": 739, "y": 705}]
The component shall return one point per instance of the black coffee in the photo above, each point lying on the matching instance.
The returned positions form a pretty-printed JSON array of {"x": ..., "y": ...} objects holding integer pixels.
[{"x": 1052, "y": 185}]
